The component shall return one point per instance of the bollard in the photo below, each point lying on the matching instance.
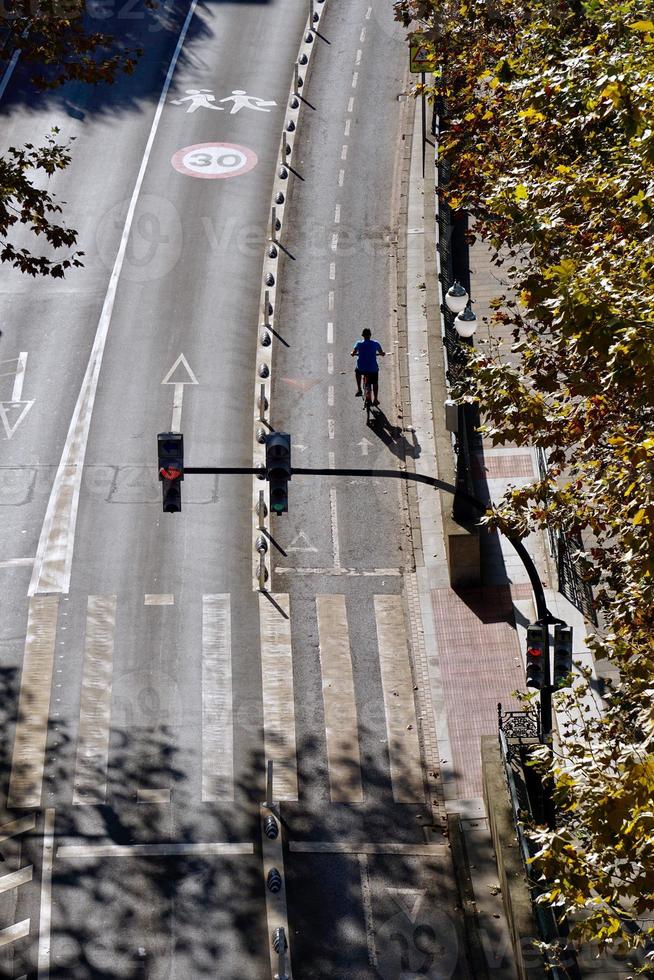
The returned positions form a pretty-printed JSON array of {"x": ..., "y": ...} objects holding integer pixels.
[
  {"x": 261, "y": 545},
  {"x": 261, "y": 509},
  {"x": 263, "y": 403},
  {"x": 270, "y": 828},
  {"x": 263, "y": 573},
  {"x": 274, "y": 881}
]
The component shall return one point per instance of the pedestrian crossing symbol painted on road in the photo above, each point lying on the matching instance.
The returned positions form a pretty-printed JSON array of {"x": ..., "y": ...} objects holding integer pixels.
[{"x": 421, "y": 58}]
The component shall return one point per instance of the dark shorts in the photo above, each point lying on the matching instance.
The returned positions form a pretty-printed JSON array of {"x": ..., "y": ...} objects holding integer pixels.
[{"x": 371, "y": 375}]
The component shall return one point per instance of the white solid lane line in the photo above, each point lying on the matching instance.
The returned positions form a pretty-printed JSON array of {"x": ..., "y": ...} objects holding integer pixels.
[
  {"x": 46, "y": 896},
  {"x": 54, "y": 556},
  {"x": 92, "y": 851},
  {"x": 21, "y": 366},
  {"x": 217, "y": 709}
]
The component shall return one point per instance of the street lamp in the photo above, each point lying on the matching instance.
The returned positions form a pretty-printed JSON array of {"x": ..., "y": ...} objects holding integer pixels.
[
  {"x": 465, "y": 323},
  {"x": 456, "y": 298}
]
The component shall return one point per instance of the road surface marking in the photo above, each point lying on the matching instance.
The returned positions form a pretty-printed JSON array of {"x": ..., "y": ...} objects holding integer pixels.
[
  {"x": 344, "y": 152},
  {"x": 330, "y": 363},
  {"x": 152, "y": 795},
  {"x": 331, "y": 428},
  {"x": 217, "y": 710},
  {"x": 18, "y": 411},
  {"x": 344, "y": 847},
  {"x": 362, "y": 36},
  {"x": 330, "y": 393},
  {"x": 341, "y": 725},
  {"x": 337, "y": 214},
  {"x": 54, "y": 556},
  {"x": 278, "y": 695},
  {"x": 185, "y": 376},
  {"x": 330, "y": 299},
  {"x": 334, "y": 518},
  {"x": 366, "y": 445},
  {"x": 366, "y": 895},
  {"x": 355, "y": 79},
  {"x": 158, "y": 599},
  {"x": 21, "y": 365},
  {"x": 408, "y": 899},
  {"x": 16, "y": 827},
  {"x": 28, "y": 760},
  {"x": 16, "y": 878},
  {"x": 346, "y": 131},
  {"x": 152, "y": 850},
  {"x": 334, "y": 241},
  {"x": 46, "y": 896},
  {"x": 12, "y": 933},
  {"x": 341, "y": 178},
  {"x": 351, "y": 572},
  {"x": 397, "y": 682},
  {"x": 90, "y": 782},
  {"x": 330, "y": 340},
  {"x": 332, "y": 270},
  {"x": 16, "y": 562},
  {"x": 358, "y": 57},
  {"x": 8, "y": 73},
  {"x": 332, "y": 460},
  {"x": 300, "y": 536},
  {"x": 368, "y": 13},
  {"x": 350, "y": 104},
  {"x": 214, "y": 161}
]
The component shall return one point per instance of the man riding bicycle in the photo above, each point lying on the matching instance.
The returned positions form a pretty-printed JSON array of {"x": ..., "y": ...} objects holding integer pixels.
[{"x": 367, "y": 351}]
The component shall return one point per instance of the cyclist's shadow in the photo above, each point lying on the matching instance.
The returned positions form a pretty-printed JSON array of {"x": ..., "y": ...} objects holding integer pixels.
[{"x": 393, "y": 436}]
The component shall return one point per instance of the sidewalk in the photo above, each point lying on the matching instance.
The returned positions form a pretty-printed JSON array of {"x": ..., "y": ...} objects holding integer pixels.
[{"x": 474, "y": 638}]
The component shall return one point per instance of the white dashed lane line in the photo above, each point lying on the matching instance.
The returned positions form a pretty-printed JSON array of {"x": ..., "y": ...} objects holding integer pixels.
[
  {"x": 358, "y": 57},
  {"x": 331, "y": 426},
  {"x": 368, "y": 13},
  {"x": 344, "y": 152},
  {"x": 355, "y": 79},
  {"x": 330, "y": 396},
  {"x": 337, "y": 214},
  {"x": 330, "y": 333},
  {"x": 330, "y": 363},
  {"x": 334, "y": 242},
  {"x": 350, "y": 105},
  {"x": 341, "y": 178},
  {"x": 330, "y": 301},
  {"x": 332, "y": 270}
]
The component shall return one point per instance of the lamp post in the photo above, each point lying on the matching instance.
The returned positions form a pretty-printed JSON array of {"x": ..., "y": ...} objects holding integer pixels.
[{"x": 458, "y": 302}]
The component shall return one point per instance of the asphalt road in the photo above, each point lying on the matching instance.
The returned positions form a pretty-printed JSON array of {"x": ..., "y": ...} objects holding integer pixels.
[{"x": 137, "y": 708}]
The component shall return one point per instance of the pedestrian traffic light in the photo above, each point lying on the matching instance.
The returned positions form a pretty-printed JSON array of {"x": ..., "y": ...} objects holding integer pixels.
[
  {"x": 278, "y": 469},
  {"x": 562, "y": 655},
  {"x": 535, "y": 649},
  {"x": 170, "y": 447}
]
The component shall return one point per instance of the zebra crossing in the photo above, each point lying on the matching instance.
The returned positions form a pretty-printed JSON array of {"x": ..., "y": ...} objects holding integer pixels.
[{"x": 342, "y": 706}]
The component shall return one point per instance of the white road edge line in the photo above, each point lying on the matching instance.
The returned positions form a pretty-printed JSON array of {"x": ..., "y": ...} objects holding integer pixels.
[
  {"x": 152, "y": 850},
  {"x": 9, "y": 71},
  {"x": 366, "y": 894},
  {"x": 50, "y": 573},
  {"x": 334, "y": 515},
  {"x": 46, "y": 896}
]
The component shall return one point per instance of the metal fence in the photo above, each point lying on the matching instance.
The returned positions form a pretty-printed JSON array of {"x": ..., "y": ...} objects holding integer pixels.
[{"x": 563, "y": 547}]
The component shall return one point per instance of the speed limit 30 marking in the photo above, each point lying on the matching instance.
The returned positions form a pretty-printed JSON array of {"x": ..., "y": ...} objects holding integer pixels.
[{"x": 214, "y": 161}]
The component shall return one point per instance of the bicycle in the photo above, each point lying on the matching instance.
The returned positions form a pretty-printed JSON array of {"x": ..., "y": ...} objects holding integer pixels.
[{"x": 366, "y": 386}]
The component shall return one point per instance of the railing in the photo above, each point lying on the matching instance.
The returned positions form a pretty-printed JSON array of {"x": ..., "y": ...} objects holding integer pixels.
[
  {"x": 518, "y": 731},
  {"x": 563, "y": 546}
]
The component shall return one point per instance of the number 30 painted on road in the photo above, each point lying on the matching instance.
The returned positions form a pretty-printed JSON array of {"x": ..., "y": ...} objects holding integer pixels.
[{"x": 213, "y": 161}]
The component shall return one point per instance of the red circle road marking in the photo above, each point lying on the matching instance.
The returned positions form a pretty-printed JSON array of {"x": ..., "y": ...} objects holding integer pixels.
[{"x": 214, "y": 161}]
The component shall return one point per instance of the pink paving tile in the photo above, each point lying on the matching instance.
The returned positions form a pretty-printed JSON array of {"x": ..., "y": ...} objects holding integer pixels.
[
  {"x": 478, "y": 649},
  {"x": 502, "y": 466}
]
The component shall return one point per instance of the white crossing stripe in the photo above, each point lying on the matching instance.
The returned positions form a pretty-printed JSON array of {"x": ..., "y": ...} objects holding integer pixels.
[
  {"x": 278, "y": 698},
  {"x": 28, "y": 760},
  {"x": 12, "y": 933},
  {"x": 16, "y": 827},
  {"x": 90, "y": 782},
  {"x": 399, "y": 702},
  {"x": 152, "y": 795},
  {"x": 152, "y": 850},
  {"x": 341, "y": 726},
  {"x": 345, "y": 847},
  {"x": 16, "y": 878},
  {"x": 158, "y": 599},
  {"x": 217, "y": 712}
]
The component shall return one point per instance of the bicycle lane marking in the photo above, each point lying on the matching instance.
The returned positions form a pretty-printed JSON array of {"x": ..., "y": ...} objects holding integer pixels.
[{"x": 54, "y": 556}]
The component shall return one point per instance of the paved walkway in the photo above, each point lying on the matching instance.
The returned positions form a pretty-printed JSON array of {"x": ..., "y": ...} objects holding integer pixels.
[{"x": 474, "y": 638}]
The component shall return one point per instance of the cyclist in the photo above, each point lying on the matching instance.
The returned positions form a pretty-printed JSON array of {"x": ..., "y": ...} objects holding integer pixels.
[{"x": 366, "y": 352}]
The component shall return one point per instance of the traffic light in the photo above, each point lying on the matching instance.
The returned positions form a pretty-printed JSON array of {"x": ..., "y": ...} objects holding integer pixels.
[
  {"x": 170, "y": 447},
  {"x": 535, "y": 647},
  {"x": 278, "y": 469},
  {"x": 562, "y": 655}
]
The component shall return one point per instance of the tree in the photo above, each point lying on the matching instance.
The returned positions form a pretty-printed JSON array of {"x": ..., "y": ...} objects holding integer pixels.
[
  {"x": 550, "y": 138},
  {"x": 54, "y": 39}
]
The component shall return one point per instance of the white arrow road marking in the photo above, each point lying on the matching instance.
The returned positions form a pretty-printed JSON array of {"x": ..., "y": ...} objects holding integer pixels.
[
  {"x": 307, "y": 546},
  {"x": 365, "y": 446},
  {"x": 10, "y": 408},
  {"x": 54, "y": 556},
  {"x": 409, "y": 900},
  {"x": 178, "y": 397}
]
